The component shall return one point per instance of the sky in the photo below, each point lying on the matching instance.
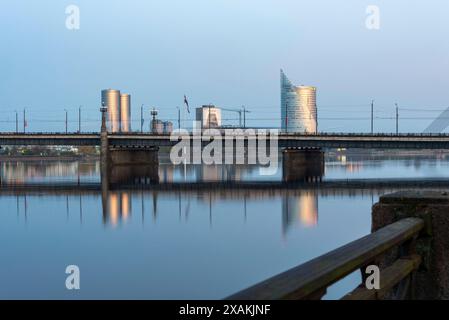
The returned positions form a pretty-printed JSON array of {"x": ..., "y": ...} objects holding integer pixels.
[{"x": 228, "y": 53}]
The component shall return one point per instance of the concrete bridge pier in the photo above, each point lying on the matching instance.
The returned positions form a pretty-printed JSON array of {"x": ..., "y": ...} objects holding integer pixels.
[
  {"x": 134, "y": 165},
  {"x": 104, "y": 163},
  {"x": 128, "y": 164},
  {"x": 104, "y": 146},
  {"x": 302, "y": 164}
]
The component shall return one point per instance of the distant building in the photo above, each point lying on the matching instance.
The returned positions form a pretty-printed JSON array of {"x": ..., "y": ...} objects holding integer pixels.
[
  {"x": 111, "y": 99},
  {"x": 125, "y": 112},
  {"x": 168, "y": 127},
  {"x": 119, "y": 110},
  {"x": 209, "y": 116},
  {"x": 298, "y": 107},
  {"x": 157, "y": 126}
]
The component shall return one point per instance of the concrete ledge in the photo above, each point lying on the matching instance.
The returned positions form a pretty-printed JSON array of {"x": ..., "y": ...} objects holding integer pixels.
[
  {"x": 416, "y": 197},
  {"x": 432, "y": 279}
]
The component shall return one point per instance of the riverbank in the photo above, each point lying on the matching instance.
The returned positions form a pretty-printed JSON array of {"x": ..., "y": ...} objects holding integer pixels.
[{"x": 4, "y": 158}]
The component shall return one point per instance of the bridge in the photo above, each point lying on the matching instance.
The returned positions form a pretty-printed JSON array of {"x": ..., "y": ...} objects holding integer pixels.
[{"x": 320, "y": 140}]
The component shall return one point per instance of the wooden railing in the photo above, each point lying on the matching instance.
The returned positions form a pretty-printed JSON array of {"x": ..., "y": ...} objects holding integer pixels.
[{"x": 311, "y": 279}]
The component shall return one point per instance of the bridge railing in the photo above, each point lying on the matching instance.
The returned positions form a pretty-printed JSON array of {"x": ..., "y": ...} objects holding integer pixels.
[
  {"x": 49, "y": 133},
  {"x": 293, "y": 134},
  {"x": 311, "y": 279}
]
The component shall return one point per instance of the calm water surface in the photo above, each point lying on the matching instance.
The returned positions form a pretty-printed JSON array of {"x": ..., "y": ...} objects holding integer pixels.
[{"x": 179, "y": 245}]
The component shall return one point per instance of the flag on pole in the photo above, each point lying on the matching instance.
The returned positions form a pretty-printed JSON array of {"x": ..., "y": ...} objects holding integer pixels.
[{"x": 186, "y": 103}]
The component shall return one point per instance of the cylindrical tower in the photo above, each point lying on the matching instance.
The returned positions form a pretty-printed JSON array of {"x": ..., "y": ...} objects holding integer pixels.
[
  {"x": 125, "y": 112},
  {"x": 298, "y": 107},
  {"x": 111, "y": 99},
  {"x": 305, "y": 112}
]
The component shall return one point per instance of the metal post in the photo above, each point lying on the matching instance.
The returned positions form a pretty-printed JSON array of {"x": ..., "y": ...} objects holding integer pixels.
[
  {"x": 103, "y": 111},
  {"x": 17, "y": 122},
  {"x": 79, "y": 119},
  {"x": 24, "y": 121},
  {"x": 397, "y": 119},
  {"x": 65, "y": 121},
  {"x": 244, "y": 117},
  {"x": 179, "y": 117},
  {"x": 372, "y": 116},
  {"x": 141, "y": 118}
]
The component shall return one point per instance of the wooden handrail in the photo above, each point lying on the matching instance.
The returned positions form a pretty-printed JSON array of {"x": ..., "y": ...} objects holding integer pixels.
[{"x": 315, "y": 276}]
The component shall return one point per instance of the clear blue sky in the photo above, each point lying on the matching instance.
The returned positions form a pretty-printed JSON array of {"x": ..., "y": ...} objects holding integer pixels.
[{"x": 226, "y": 52}]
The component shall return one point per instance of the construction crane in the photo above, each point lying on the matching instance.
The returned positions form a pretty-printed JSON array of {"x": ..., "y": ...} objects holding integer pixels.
[{"x": 239, "y": 111}]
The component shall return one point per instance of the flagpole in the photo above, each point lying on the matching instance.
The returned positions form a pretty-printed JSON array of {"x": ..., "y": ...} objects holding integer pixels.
[{"x": 186, "y": 103}]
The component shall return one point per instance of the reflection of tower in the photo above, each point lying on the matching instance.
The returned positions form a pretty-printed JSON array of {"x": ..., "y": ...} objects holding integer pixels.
[
  {"x": 208, "y": 173},
  {"x": 299, "y": 209},
  {"x": 125, "y": 202},
  {"x": 166, "y": 172},
  {"x": 119, "y": 207},
  {"x": 113, "y": 206}
]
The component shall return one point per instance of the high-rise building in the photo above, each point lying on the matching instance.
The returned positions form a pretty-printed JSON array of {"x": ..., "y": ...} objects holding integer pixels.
[
  {"x": 119, "y": 110},
  {"x": 111, "y": 99},
  {"x": 125, "y": 112},
  {"x": 209, "y": 116},
  {"x": 298, "y": 107}
]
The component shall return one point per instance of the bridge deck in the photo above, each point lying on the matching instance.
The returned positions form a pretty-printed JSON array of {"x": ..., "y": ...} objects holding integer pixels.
[{"x": 381, "y": 141}]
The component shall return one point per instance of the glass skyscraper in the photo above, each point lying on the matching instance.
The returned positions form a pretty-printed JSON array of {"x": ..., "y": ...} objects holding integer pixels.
[{"x": 298, "y": 107}]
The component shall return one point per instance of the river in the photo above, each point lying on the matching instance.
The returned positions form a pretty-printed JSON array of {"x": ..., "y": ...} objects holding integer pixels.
[{"x": 207, "y": 243}]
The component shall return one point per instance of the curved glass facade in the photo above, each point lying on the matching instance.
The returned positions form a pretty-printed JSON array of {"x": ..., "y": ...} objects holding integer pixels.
[{"x": 298, "y": 107}]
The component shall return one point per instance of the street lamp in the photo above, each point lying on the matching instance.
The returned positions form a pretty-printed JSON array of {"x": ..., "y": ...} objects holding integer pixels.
[
  {"x": 24, "y": 120},
  {"x": 79, "y": 119},
  {"x": 103, "y": 111},
  {"x": 141, "y": 118},
  {"x": 65, "y": 121},
  {"x": 397, "y": 118},
  {"x": 17, "y": 121}
]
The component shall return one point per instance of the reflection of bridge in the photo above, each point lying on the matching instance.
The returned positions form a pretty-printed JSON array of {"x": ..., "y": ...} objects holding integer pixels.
[
  {"x": 235, "y": 188},
  {"x": 299, "y": 201},
  {"x": 322, "y": 140}
]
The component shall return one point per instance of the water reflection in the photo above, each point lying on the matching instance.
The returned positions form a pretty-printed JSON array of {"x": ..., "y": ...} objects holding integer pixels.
[
  {"x": 300, "y": 210},
  {"x": 345, "y": 165},
  {"x": 222, "y": 237},
  {"x": 23, "y": 172}
]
